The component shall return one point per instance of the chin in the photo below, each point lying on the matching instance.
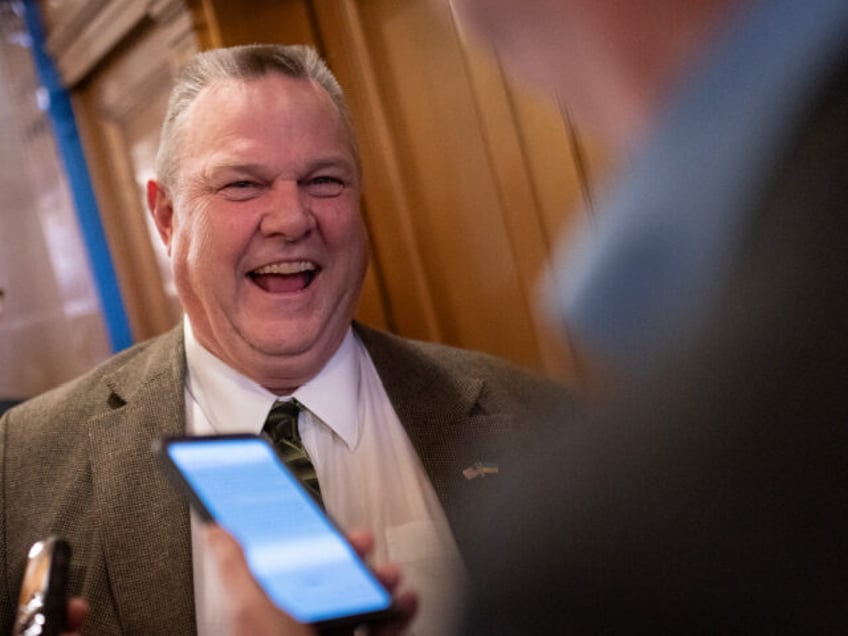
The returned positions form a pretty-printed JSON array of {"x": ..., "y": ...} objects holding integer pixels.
[
  {"x": 292, "y": 338},
  {"x": 280, "y": 348}
]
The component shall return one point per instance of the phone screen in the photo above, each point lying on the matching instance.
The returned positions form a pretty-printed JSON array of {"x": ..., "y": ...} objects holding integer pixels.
[{"x": 299, "y": 557}]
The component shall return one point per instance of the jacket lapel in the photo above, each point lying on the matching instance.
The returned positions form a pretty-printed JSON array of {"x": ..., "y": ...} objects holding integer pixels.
[
  {"x": 440, "y": 409},
  {"x": 145, "y": 525}
]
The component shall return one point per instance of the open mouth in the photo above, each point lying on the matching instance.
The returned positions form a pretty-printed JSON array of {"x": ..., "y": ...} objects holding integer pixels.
[{"x": 279, "y": 278}]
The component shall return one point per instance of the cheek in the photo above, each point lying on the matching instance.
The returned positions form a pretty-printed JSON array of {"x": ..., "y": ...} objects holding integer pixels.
[
  {"x": 213, "y": 238},
  {"x": 193, "y": 246},
  {"x": 339, "y": 218},
  {"x": 345, "y": 232}
]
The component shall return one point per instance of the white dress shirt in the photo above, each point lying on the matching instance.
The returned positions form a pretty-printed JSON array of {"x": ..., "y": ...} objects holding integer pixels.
[{"x": 370, "y": 476}]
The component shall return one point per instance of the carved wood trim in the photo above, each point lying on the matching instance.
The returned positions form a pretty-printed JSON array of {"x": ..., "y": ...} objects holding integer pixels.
[{"x": 83, "y": 39}]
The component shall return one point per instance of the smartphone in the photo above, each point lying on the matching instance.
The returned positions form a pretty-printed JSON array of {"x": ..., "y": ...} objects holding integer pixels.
[
  {"x": 295, "y": 551},
  {"x": 42, "y": 605}
]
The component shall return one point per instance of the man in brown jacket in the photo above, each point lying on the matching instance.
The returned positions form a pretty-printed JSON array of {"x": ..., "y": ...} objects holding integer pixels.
[{"x": 257, "y": 200}]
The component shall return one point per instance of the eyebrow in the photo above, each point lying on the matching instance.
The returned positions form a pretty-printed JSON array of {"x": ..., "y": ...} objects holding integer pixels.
[{"x": 335, "y": 161}]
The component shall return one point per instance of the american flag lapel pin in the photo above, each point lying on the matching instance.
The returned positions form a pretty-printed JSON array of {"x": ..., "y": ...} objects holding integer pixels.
[{"x": 480, "y": 469}]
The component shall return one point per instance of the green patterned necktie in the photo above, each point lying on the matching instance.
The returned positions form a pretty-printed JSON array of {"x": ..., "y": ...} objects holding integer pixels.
[{"x": 281, "y": 427}]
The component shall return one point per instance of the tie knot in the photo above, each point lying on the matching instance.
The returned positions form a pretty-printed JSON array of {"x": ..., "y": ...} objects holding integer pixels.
[{"x": 281, "y": 423}]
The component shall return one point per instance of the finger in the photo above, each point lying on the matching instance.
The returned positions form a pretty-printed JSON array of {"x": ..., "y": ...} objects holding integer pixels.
[
  {"x": 248, "y": 609},
  {"x": 389, "y": 575},
  {"x": 76, "y": 615},
  {"x": 362, "y": 542},
  {"x": 236, "y": 576},
  {"x": 230, "y": 557},
  {"x": 406, "y": 605}
]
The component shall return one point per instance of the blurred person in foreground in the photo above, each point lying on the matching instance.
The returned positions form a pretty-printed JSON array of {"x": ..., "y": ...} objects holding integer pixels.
[
  {"x": 256, "y": 198},
  {"x": 708, "y": 489}
]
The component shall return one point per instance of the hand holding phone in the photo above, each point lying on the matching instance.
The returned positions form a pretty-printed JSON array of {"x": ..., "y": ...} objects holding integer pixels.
[
  {"x": 250, "y": 611},
  {"x": 42, "y": 605},
  {"x": 295, "y": 552}
]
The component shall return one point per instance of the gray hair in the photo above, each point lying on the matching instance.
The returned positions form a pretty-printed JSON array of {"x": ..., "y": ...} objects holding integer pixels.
[{"x": 244, "y": 62}]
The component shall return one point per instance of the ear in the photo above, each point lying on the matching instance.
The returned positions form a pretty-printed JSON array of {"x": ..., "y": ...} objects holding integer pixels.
[{"x": 162, "y": 209}]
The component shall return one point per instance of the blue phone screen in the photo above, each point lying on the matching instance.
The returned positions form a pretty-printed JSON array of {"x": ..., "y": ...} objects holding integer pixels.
[{"x": 301, "y": 560}]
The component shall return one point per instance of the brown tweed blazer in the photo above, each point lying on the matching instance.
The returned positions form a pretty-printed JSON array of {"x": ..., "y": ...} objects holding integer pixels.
[{"x": 77, "y": 462}]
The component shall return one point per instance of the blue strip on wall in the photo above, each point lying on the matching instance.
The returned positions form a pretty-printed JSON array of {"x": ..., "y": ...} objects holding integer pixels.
[{"x": 73, "y": 159}]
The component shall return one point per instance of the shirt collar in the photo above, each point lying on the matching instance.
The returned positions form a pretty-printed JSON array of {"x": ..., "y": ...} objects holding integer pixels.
[
  {"x": 333, "y": 394},
  {"x": 234, "y": 403}
]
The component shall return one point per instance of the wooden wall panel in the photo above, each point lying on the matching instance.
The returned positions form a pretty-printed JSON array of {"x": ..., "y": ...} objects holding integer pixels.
[
  {"x": 523, "y": 204},
  {"x": 466, "y": 213},
  {"x": 397, "y": 262},
  {"x": 470, "y": 266},
  {"x": 230, "y": 23}
]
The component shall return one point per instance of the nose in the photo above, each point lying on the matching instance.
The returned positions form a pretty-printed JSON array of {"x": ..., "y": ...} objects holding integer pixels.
[{"x": 287, "y": 213}]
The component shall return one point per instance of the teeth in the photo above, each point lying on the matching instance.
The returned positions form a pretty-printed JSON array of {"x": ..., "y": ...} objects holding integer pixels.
[{"x": 286, "y": 268}]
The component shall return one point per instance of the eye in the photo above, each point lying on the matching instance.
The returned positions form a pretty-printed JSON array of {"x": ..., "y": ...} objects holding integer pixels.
[
  {"x": 240, "y": 190},
  {"x": 323, "y": 186}
]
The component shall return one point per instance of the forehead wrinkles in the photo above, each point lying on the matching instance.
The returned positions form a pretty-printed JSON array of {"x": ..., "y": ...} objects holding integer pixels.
[{"x": 233, "y": 115}]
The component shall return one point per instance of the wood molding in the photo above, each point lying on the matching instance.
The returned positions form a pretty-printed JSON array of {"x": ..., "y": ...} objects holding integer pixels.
[
  {"x": 118, "y": 107},
  {"x": 71, "y": 23}
]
